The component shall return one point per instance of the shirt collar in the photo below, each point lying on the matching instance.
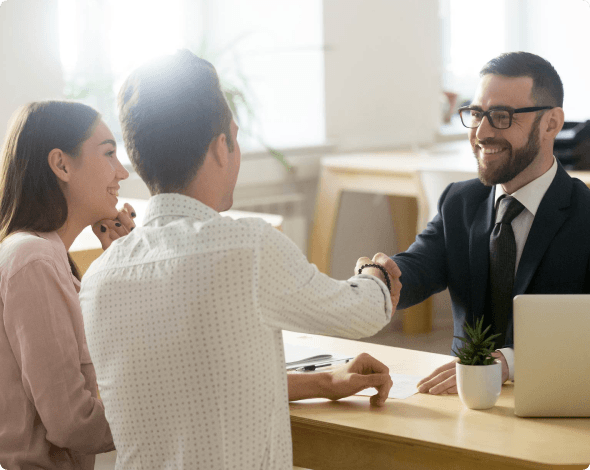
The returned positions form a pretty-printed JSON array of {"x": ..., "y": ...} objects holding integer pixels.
[
  {"x": 177, "y": 205},
  {"x": 530, "y": 195}
]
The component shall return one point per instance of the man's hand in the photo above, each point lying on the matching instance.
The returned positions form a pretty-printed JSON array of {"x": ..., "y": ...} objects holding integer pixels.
[
  {"x": 505, "y": 373},
  {"x": 443, "y": 380},
  {"x": 391, "y": 268},
  {"x": 108, "y": 230},
  {"x": 363, "y": 372}
]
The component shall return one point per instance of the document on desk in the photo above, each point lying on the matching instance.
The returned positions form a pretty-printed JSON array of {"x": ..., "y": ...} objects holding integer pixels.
[{"x": 404, "y": 386}]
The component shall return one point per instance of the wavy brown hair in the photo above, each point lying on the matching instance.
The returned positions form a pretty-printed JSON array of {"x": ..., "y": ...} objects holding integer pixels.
[{"x": 30, "y": 196}]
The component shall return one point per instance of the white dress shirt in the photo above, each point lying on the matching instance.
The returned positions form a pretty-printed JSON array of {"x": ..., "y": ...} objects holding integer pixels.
[
  {"x": 183, "y": 319},
  {"x": 530, "y": 197}
]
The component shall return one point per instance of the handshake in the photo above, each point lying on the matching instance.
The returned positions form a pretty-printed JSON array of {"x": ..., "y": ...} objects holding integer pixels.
[{"x": 389, "y": 267}]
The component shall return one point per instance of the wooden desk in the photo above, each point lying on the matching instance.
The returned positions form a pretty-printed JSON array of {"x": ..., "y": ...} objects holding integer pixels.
[
  {"x": 86, "y": 248},
  {"x": 397, "y": 175},
  {"x": 425, "y": 431}
]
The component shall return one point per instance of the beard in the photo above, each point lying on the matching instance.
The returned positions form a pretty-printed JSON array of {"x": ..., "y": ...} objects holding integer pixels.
[{"x": 516, "y": 162}]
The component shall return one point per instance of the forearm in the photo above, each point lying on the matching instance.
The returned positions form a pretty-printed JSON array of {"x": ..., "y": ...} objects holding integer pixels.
[
  {"x": 423, "y": 265},
  {"x": 506, "y": 356},
  {"x": 293, "y": 295},
  {"x": 356, "y": 308},
  {"x": 308, "y": 385},
  {"x": 419, "y": 279}
]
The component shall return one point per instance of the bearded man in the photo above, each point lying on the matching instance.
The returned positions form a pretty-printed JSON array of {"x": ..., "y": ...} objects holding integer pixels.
[{"x": 523, "y": 227}]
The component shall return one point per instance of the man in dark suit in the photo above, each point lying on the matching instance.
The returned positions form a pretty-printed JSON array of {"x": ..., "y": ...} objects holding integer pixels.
[{"x": 513, "y": 120}]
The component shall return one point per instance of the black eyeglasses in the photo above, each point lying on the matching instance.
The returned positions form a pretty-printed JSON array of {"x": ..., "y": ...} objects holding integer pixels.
[{"x": 499, "y": 118}]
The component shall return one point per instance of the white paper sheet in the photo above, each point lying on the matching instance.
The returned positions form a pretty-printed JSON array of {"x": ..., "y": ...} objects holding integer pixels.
[{"x": 404, "y": 386}]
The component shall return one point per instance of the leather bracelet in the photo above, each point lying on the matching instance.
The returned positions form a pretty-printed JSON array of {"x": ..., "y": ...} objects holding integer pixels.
[{"x": 383, "y": 270}]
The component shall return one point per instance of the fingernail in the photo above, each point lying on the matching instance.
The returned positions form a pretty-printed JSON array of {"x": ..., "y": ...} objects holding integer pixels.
[
  {"x": 117, "y": 224},
  {"x": 133, "y": 214},
  {"x": 103, "y": 229}
]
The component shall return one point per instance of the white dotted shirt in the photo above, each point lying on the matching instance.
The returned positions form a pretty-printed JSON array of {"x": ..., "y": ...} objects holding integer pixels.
[{"x": 183, "y": 320}]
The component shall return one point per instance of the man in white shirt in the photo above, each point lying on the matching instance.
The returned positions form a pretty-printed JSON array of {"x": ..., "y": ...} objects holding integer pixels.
[
  {"x": 183, "y": 316},
  {"x": 513, "y": 121}
]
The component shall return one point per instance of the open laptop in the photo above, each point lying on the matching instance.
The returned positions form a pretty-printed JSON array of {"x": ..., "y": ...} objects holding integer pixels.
[{"x": 552, "y": 355}]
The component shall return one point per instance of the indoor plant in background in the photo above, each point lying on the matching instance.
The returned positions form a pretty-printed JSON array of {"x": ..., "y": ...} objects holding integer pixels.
[
  {"x": 479, "y": 374},
  {"x": 236, "y": 88}
]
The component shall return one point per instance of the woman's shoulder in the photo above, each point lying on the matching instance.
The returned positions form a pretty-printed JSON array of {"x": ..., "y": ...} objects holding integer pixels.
[{"x": 22, "y": 248}]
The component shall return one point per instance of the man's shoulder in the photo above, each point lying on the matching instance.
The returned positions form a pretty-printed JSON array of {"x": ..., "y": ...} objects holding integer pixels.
[
  {"x": 227, "y": 231},
  {"x": 247, "y": 223},
  {"x": 470, "y": 191},
  {"x": 184, "y": 237},
  {"x": 569, "y": 190},
  {"x": 580, "y": 201},
  {"x": 580, "y": 190}
]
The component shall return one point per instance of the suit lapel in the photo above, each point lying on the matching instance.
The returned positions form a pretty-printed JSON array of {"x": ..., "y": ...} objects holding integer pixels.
[
  {"x": 548, "y": 220},
  {"x": 479, "y": 249}
]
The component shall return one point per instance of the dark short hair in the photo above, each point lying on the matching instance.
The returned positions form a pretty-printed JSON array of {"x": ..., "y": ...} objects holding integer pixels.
[
  {"x": 547, "y": 87},
  {"x": 170, "y": 110},
  {"x": 30, "y": 196}
]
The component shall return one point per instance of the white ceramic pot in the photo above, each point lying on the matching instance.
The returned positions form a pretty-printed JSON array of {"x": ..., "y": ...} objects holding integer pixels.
[{"x": 479, "y": 386}]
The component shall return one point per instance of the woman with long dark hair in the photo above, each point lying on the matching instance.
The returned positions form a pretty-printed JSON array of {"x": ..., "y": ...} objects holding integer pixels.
[{"x": 59, "y": 174}]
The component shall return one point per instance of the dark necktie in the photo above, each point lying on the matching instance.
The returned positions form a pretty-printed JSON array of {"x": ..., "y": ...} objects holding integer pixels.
[{"x": 502, "y": 266}]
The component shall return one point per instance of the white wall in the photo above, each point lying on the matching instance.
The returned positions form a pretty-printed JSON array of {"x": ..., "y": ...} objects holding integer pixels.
[
  {"x": 29, "y": 47},
  {"x": 559, "y": 31},
  {"x": 383, "y": 66},
  {"x": 383, "y": 69}
]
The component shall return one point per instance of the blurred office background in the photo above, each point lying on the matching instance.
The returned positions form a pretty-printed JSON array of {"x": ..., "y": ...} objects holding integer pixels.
[{"x": 319, "y": 78}]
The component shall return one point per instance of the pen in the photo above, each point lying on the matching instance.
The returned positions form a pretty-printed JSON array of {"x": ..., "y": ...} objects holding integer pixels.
[{"x": 314, "y": 367}]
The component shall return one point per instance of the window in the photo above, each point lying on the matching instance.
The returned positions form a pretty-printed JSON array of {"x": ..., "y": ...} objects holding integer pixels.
[
  {"x": 473, "y": 32},
  {"x": 271, "y": 51}
]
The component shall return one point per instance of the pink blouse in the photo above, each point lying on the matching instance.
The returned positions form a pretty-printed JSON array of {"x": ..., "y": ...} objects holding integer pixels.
[{"x": 50, "y": 416}]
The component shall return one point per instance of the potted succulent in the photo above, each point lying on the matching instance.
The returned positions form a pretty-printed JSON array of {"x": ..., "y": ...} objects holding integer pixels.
[{"x": 479, "y": 374}]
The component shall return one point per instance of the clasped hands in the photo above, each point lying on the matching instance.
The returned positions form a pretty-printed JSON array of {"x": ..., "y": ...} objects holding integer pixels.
[
  {"x": 392, "y": 270},
  {"x": 108, "y": 230}
]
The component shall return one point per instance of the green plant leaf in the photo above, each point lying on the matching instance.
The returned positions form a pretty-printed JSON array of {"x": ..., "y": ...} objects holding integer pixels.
[{"x": 478, "y": 346}]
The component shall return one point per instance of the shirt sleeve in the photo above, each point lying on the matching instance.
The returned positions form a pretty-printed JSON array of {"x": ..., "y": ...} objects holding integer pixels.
[
  {"x": 40, "y": 316},
  {"x": 294, "y": 295},
  {"x": 424, "y": 264}
]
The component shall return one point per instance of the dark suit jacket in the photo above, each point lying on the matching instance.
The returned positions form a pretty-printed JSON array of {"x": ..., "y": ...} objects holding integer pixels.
[{"x": 453, "y": 250}]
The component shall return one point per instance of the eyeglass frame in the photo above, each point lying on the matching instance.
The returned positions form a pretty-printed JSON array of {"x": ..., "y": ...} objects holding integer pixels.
[{"x": 510, "y": 112}]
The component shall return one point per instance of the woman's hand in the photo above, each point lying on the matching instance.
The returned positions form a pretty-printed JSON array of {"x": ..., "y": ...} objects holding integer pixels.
[{"x": 108, "y": 230}]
